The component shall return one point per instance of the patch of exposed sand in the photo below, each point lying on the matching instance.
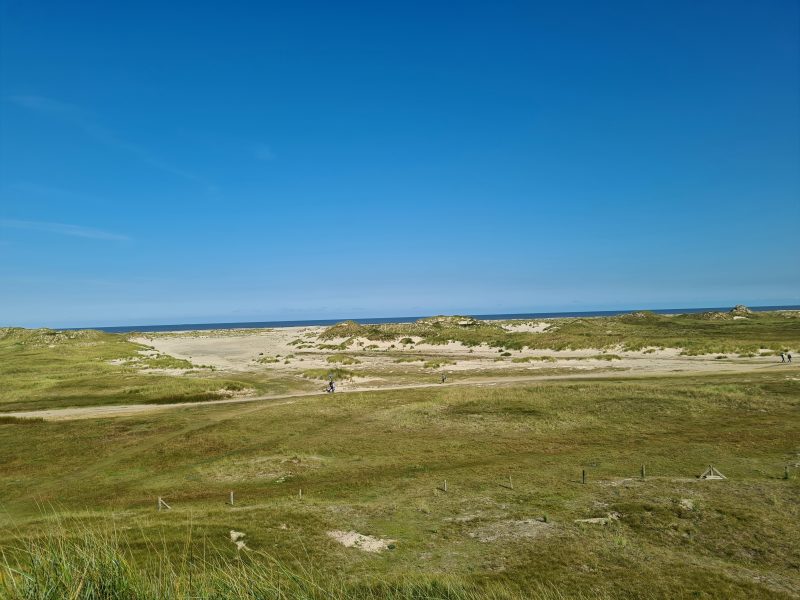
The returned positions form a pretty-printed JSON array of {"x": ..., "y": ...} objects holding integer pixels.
[
  {"x": 378, "y": 366},
  {"x": 229, "y": 352},
  {"x": 538, "y": 327},
  {"x": 237, "y": 537},
  {"x": 526, "y": 528},
  {"x": 243, "y": 351},
  {"x": 367, "y": 543},
  {"x": 612, "y": 516}
]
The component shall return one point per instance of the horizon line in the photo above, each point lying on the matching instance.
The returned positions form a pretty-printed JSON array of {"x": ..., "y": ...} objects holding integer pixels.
[{"x": 406, "y": 319}]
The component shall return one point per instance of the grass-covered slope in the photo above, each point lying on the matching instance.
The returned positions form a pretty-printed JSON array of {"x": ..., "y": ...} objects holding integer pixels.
[{"x": 372, "y": 463}]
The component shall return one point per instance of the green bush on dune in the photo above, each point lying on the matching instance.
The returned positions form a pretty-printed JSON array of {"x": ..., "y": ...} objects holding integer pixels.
[{"x": 337, "y": 373}]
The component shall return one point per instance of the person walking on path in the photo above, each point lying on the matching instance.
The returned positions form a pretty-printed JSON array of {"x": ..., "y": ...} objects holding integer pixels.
[
  {"x": 789, "y": 356},
  {"x": 783, "y": 358}
]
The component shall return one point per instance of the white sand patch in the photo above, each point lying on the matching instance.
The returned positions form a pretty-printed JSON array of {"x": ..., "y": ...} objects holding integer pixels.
[
  {"x": 237, "y": 537},
  {"x": 167, "y": 371},
  {"x": 353, "y": 539},
  {"x": 122, "y": 361},
  {"x": 612, "y": 516},
  {"x": 231, "y": 351},
  {"x": 539, "y": 327},
  {"x": 526, "y": 528}
]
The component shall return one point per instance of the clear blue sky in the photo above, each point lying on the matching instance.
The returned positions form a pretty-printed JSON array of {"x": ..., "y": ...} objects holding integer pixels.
[{"x": 194, "y": 161}]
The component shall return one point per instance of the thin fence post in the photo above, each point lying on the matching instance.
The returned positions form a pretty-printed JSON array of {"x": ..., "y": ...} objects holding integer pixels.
[
  {"x": 643, "y": 472},
  {"x": 583, "y": 476},
  {"x": 159, "y": 504},
  {"x": 231, "y": 497}
]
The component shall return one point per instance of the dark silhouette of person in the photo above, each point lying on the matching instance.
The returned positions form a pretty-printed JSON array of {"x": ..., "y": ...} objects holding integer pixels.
[
  {"x": 789, "y": 356},
  {"x": 783, "y": 358}
]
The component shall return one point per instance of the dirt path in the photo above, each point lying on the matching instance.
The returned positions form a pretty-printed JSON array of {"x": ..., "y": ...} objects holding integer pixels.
[{"x": 126, "y": 410}]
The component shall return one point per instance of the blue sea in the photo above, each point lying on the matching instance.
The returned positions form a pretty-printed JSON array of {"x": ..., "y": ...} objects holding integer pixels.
[{"x": 372, "y": 321}]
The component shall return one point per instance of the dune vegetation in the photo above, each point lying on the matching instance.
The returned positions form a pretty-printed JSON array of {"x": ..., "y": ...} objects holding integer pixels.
[
  {"x": 543, "y": 475},
  {"x": 376, "y": 463},
  {"x": 700, "y": 333},
  {"x": 44, "y": 368}
]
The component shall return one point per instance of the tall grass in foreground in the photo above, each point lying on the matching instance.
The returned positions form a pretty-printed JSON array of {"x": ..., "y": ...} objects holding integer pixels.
[{"x": 95, "y": 566}]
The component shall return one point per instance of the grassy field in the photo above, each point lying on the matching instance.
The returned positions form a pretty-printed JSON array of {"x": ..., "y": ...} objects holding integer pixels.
[
  {"x": 375, "y": 463},
  {"x": 472, "y": 491}
]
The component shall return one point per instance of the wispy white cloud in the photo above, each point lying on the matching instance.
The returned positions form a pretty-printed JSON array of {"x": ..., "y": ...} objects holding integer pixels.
[
  {"x": 263, "y": 152},
  {"x": 80, "y": 118},
  {"x": 64, "y": 229},
  {"x": 43, "y": 104}
]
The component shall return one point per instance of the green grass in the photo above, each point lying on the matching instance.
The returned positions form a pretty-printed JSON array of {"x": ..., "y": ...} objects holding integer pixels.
[
  {"x": 268, "y": 360},
  {"x": 96, "y": 566},
  {"x": 437, "y": 363},
  {"x": 343, "y": 359},
  {"x": 336, "y": 372},
  {"x": 20, "y": 420},
  {"x": 524, "y": 359},
  {"x": 372, "y": 462}
]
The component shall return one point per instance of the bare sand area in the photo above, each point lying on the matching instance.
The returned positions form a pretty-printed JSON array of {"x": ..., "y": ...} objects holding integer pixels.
[{"x": 296, "y": 349}]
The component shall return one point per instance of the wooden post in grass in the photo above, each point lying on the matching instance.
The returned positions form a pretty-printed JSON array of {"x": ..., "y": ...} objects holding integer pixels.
[
  {"x": 786, "y": 472},
  {"x": 301, "y": 493},
  {"x": 162, "y": 503},
  {"x": 445, "y": 485},
  {"x": 231, "y": 497},
  {"x": 583, "y": 476},
  {"x": 643, "y": 472}
]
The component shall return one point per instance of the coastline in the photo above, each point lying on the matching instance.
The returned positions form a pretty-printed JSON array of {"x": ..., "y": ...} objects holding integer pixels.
[{"x": 183, "y": 327}]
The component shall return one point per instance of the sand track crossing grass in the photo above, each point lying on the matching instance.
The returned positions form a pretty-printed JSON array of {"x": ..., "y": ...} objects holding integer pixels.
[{"x": 123, "y": 410}]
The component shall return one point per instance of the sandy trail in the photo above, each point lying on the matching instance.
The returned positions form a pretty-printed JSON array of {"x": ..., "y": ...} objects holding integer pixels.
[{"x": 127, "y": 410}]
